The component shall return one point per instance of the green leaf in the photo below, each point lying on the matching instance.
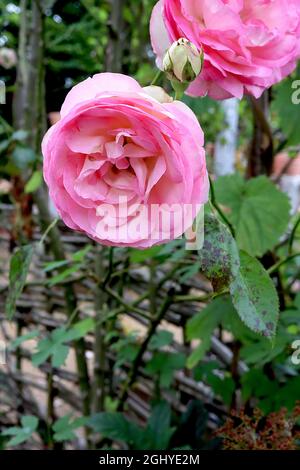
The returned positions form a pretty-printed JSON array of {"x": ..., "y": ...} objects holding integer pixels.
[
  {"x": 161, "y": 339},
  {"x": 256, "y": 383},
  {"x": 23, "y": 157},
  {"x": 20, "y": 438},
  {"x": 258, "y": 211},
  {"x": 54, "y": 346},
  {"x": 79, "y": 256},
  {"x": 4, "y": 144},
  {"x": 165, "y": 364},
  {"x": 187, "y": 272},
  {"x": 127, "y": 349},
  {"x": 21, "y": 339},
  {"x": 127, "y": 354},
  {"x": 262, "y": 352},
  {"x": 34, "y": 182},
  {"x": 45, "y": 348},
  {"x": 10, "y": 431},
  {"x": 116, "y": 427},
  {"x": 288, "y": 396},
  {"x": 192, "y": 428},
  {"x": 224, "y": 387},
  {"x": 255, "y": 298},
  {"x": 159, "y": 430},
  {"x": 138, "y": 256},
  {"x": 59, "y": 355},
  {"x": 202, "y": 325},
  {"x": 219, "y": 256},
  {"x": 64, "y": 275},
  {"x": 64, "y": 427},
  {"x": 199, "y": 352},
  {"x": 19, "y": 136},
  {"x": 80, "y": 329},
  {"x": 21, "y": 434},
  {"x": 55, "y": 265},
  {"x": 30, "y": 422},
  {"x": 19, "y": 267}
]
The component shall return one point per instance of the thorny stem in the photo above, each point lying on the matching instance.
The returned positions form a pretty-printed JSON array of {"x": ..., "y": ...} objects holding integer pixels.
[
  {"x": 128, "y": 307},
  {"x": 99, "y": 345}
]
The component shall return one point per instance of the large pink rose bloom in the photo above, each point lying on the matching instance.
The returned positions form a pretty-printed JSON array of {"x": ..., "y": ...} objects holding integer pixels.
[
  {"x": 248, "y": 45},
  {"x": 122, "y": 167}
]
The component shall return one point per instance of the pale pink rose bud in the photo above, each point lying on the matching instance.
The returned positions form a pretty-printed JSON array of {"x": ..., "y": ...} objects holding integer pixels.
[
  {"x": 8, "y": 57},
  {"x": 183, "y": 61},
  {"x": 158, "y": 93},
  {"x": 248, "y": 45}
]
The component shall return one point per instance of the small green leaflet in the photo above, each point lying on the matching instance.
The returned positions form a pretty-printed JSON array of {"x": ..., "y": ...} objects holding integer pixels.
[
  {"x": 64, "y": 275},
  {"x": 64, "y": 427},
  {"x": 115, "y": 426},
  {"x": 165, "y": 364},
  {"x": 156, "y": 435},
  {"x": 34, "y": 182},
  {"x": 138, "y": 256},
  {"x": 19, "y": 267},
  {"x": 21, "y": 434},
  {"x": 22, "y": 339},
  {"x": 72, "y": 265},
  {"x": 161, "y": 339},
  {"x": 54, "y": 346}
]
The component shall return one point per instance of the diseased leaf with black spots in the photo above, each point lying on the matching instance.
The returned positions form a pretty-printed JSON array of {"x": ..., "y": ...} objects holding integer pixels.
[
  {"x": 254, "y": 296},
  {"x": 219, "y": 256}
]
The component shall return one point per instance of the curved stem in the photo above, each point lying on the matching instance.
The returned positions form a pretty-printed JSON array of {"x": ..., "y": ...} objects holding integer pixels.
[
  {"x": 293, "y": 234},
  {"x": 218, "y": 209},
  {"x": 157, "y": 78},
  {"x": 282, "y": 262}
]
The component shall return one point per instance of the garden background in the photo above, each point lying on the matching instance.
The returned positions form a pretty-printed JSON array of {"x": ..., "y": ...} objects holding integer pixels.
[{"x": 123, "y": 348}]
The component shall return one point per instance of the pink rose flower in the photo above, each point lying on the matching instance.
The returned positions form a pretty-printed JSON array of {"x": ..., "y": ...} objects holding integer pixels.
[
  {"x": 248, "y": 45},
  {"x": 123, "y": 167}
]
